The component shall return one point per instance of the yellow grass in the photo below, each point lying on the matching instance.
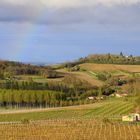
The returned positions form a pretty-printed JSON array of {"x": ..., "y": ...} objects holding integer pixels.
[
  {"x": 124, "y": 70},
  {"x": 88, "y": 78},
  {"x": 83, "y": 76},
  {"x": 110, "y": 67}
]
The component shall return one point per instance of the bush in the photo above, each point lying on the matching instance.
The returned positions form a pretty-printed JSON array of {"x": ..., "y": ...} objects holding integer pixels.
[
  {"x": 108, "y": 91},
  {"x": 103, "y": 76}
]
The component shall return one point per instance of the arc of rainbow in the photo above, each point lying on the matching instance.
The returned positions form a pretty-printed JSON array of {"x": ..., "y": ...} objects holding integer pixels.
[{"x": 30, "y": 28}]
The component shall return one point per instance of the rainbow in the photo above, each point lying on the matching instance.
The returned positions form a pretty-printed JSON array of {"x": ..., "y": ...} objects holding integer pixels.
[{"x": 29, "y": 30}]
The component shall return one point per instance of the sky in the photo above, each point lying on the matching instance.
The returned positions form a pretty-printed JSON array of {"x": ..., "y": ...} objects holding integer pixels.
[{"x": 54, "y": 31}]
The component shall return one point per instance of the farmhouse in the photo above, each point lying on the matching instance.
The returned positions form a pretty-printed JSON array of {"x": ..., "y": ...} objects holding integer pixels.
[
  {"x": 120, "y": 95},
  {"x": 91, "y": 98},
  {"x": 96, "y": 98},
  {"x": 131, "y": 118}
]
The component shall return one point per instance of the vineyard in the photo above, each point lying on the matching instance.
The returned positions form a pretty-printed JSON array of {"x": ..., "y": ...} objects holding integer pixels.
[
  {"x": 70, "y": 130},
  {"x": 99, "y": 121}
]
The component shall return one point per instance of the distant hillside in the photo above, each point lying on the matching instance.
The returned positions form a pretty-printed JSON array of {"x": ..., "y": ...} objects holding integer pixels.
[
  {"x": 114, "y": 59},
  {"x": 25, "y": 85},
  {"x": 106, "y": 59},
  {"x": 18, "y": 68},
  {"x": 110, "y": 68}
]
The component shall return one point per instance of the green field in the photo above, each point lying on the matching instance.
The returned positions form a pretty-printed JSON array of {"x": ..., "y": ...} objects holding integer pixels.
[{"x": 112, "y": 109}]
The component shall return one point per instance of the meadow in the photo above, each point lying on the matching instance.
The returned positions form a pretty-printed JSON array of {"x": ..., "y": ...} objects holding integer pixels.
[{"x": 111, "y": 109}]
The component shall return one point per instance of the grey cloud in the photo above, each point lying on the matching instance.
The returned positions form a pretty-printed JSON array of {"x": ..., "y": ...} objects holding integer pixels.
[
  {"x": 116, "y": 15},
  {"x": 19, "y": 13},
  {"x": 97, "y": 14}
]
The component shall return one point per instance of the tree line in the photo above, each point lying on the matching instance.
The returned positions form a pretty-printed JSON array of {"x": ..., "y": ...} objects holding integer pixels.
[{"x": 36, "y": 99}]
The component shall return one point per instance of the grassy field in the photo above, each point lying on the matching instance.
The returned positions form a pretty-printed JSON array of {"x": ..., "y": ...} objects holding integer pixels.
[
  {"x": 84, "y": 76},
  {"x": 109, "y": 109},
  {"x": 36, "y": 78},
  {"x": 110, "y": 67}
]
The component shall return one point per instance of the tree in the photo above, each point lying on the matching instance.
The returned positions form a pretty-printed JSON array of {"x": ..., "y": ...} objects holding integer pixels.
[{"x": 121, "y": 54}]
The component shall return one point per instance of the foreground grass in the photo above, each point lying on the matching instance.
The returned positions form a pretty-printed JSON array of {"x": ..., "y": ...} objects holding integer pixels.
[{"x": 108, "y": 109}]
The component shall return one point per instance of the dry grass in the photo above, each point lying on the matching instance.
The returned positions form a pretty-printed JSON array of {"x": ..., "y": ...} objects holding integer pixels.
[
  {"x": 69, "y": 130},
  {"x": 124, "y": 70},
  {"x": 83, "y": 76},
  {"x": 86, "y": 77},
  {"x": 110, "y": 67}
]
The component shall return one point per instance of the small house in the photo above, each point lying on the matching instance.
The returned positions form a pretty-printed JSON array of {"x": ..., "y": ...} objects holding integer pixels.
[
  {"x": 131, "y": 118},
  {"x": 112, "y": 95},
  {"x": 120, "y": 95},
  {"x": 100, "y": 98},
  {"x": 91, "y": 98}
]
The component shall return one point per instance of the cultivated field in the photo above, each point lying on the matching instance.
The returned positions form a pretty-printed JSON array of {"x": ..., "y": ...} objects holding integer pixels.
[
  {"x": 89, "y": 72},
  {"x": 110, "y": 67},
  {"x": 112, "y": 109},
  {"x": 84, "y": 76},
  {"x": 99, "y": 121},
  {"x": 90, "y": 75},
  {"x": 70, "y": 130}
]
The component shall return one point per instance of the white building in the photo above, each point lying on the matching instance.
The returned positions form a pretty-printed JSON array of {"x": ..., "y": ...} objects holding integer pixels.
[
  {"x": 91, "y": 98},
  {"x": 131, "y": 118}
]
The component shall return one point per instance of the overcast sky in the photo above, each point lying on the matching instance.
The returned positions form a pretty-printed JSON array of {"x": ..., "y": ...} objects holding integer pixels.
[{"x": 63, "y": 30}]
